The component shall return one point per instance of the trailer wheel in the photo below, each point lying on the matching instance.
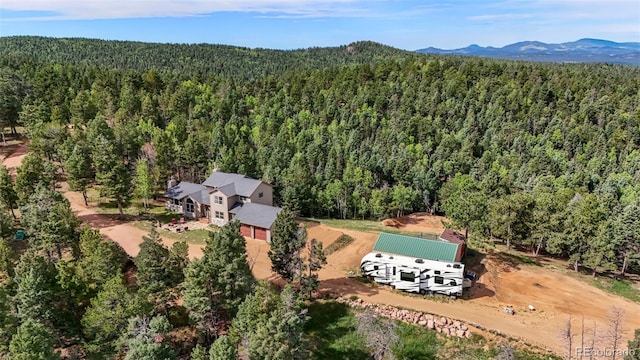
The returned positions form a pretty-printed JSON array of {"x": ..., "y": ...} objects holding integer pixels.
[
  {"x": 454, "y": 296},
  {"x": 423, "y": 292}
]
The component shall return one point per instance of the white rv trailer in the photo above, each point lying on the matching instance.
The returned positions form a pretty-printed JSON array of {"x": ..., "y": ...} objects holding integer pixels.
[{"x": 414, "y": 274}]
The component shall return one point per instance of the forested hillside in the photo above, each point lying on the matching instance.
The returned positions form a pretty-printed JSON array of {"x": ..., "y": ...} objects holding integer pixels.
[
  {"x": 191, "y": 59},
  {"x": 545, "y": 157},
  {"x": 540, "y": 155}
]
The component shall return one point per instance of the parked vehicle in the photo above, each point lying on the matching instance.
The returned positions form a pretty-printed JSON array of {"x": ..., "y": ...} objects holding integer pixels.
[{"x": 414, "y": 274}]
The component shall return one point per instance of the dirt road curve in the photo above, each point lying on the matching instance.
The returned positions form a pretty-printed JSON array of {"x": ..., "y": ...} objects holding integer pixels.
[{"x": 553, "y": 294}]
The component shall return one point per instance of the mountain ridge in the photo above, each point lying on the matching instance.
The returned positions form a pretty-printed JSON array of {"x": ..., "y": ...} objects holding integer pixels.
[{"x": 586, "y": 50}]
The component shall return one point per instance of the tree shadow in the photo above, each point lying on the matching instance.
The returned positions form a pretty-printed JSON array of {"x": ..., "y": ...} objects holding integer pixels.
[
  {"x": 514, "y": 260},
  {"x": 332, "y": 332},
  {"x": 333, "y": 288},
  {"x": 101, "y": 221},
  {"x": 478, "y": 290}
]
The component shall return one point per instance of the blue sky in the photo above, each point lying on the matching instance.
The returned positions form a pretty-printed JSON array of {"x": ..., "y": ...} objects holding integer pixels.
[{"x": 290, "y": 24}]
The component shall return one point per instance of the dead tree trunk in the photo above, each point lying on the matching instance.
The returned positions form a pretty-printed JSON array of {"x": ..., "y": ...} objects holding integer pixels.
[{"x": 566, "y": 335}]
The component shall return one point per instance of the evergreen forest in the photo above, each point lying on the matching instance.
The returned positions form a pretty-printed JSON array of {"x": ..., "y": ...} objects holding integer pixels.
[{"x": 544, "y": 157}]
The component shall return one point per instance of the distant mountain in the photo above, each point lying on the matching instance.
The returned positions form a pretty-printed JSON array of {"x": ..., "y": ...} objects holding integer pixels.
[{"x": 583, "y": 50}]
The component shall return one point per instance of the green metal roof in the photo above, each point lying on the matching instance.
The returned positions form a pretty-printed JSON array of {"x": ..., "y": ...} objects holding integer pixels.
[{"x": 416, "y": 247}]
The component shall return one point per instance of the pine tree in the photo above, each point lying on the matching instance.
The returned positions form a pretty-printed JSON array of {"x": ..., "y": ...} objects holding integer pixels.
[
  {"x": 217, "y": 283},
  {"x": 32, "y": 172},
  {"x": 148, "y": 339},
  {"x": 315, "y": 259},
  {"x": 111, "y": 173},
  {"x": 99, "y": 261},
  {"x": 107, "y": 316},
  {"x": 79, "y": 170},
  {"x": 36, "y": 288},
  {"x": 8, "y": 196},
  {"x": 49, "y": 222},
  {"x": 271, "y": 325},
  {"x": 33, "y": 341},
  {"x": 464, "y": 203},
  {"x": 199, "y": 353},
  {"x": 6, "y": 223},
  {"x": 287, "y": 240},
  {"x": 8, "y": 320},
  {"x": 223, "y": 349},
  {"x": 159, "y": 270}
]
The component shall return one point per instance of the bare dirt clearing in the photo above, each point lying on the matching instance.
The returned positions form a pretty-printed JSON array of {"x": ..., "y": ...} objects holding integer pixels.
[
  {"x": 14, "y": 159},
  {"x": 420, "y": 223},
  {"x": 553, "y": 294}
]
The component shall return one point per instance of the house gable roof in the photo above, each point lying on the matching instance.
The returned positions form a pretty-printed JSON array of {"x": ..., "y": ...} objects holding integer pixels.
[
  {"x": 202, "y": 197},
  {"x": 416, "y": 247},
  {"x": 255, "y": 214},
  {"x": 183, "y": 190},
  {"x": 242, "y": 185}
]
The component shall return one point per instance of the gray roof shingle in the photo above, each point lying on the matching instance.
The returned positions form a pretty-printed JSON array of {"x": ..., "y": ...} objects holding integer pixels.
[
  {"x": 255, "y": 214},
  {"x": 242, "y": 185},
  {"x": 183, "y": 190}
]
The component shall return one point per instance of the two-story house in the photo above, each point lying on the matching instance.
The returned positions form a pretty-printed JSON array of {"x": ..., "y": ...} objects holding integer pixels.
[{"x": 224, "y": 197}]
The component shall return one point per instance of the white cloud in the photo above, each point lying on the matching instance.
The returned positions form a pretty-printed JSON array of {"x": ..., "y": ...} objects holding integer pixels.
[
  {"x": 494, "y": 17},
  {"x": 119, "y": 9}
]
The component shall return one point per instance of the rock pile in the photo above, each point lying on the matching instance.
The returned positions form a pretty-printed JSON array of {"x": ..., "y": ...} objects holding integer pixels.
[{"x": 440, "y": 324}]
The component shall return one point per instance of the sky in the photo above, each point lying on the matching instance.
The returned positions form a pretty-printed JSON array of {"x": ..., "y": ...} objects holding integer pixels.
[{"x": 293, "y": 24}]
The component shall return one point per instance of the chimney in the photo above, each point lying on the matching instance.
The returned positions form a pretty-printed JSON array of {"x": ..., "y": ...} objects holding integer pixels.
[{"x": 172, "y": 182}]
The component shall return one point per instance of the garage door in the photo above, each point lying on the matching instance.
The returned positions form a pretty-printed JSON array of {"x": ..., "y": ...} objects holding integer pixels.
[
  {"x": 245, "y": 230},
  {"x": 261, "y": 234}
]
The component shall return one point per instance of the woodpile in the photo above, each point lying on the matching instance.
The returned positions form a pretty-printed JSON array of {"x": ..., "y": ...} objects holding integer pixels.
[{"x": 440, "y": 324}]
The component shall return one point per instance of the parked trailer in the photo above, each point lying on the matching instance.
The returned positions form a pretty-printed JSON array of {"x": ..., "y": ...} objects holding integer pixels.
[{"x": 414, "y": 274}]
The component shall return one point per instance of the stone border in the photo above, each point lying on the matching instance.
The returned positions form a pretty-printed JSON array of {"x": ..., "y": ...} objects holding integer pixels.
[{"x": 440, "y": 324}]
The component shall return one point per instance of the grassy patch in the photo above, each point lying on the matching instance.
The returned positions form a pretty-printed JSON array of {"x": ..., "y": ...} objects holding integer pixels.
[
  {"x": 622, "y": 288},
  {"x": 368, "y": 226},
  {"x": 198, "y": 236},
  {"x": 332, "y": 334},
  {"x": 341, "y": 243}
]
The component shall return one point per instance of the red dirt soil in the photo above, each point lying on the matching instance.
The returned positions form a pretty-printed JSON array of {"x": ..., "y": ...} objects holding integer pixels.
[
  {"x": 418, "y": 222},
  {"x": 15, "y": 159},
  {"x": 553, "y": 294}
]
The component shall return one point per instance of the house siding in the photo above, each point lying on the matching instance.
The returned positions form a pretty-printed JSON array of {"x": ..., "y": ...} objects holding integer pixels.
[
  {"x": 219, "y": 207},
  {"x": 267, "y": 195}
]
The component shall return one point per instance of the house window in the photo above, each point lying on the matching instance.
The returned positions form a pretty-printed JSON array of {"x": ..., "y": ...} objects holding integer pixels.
[
  {"x": 217, "y": 200},
  {"x": 438, "y": 280},
  {"x": 407, "y": 276},
  {"x": 219, "y": 215},
  {"x": 190, "y": 208},
  {"x": 260, "y": 195},
  {"x": 176, "y": 202}
]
